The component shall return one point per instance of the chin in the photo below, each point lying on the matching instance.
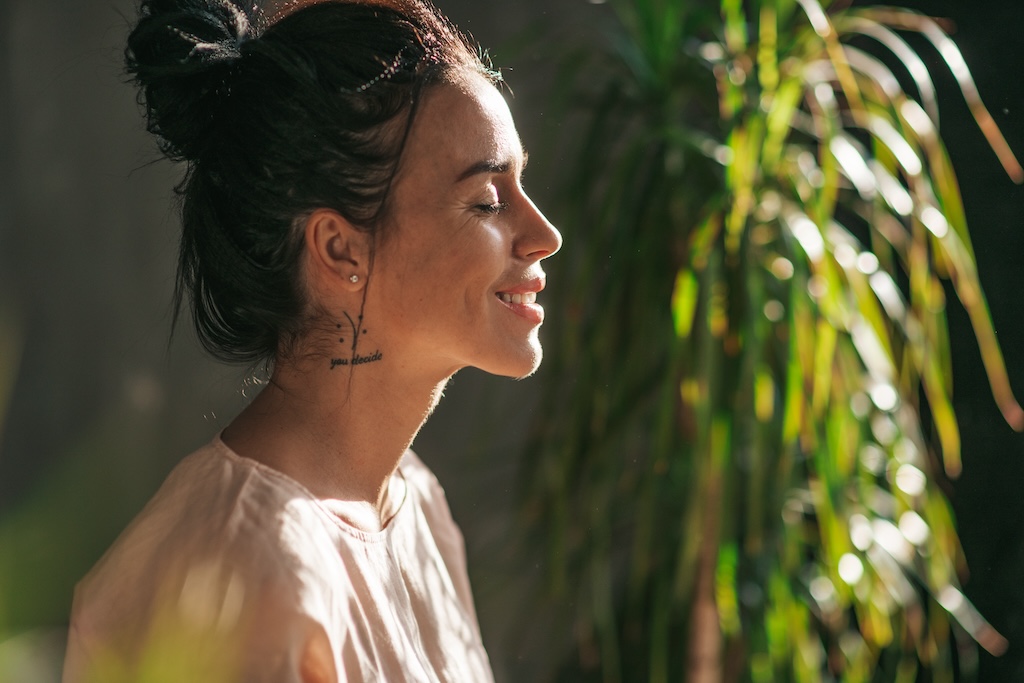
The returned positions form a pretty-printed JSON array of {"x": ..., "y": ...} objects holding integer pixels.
[
  {"x": 528, "y": 366},
  {"x": 520, "y": 364}
]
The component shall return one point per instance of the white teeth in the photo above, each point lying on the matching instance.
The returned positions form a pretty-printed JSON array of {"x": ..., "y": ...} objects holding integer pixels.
[{"x": 524, "y": 298}]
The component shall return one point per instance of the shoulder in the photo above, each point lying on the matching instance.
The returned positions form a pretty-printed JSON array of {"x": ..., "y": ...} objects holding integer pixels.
[
  {"x": 416, "y": 472},
  {"x": 218, "y": 523},
  {"x": 437, "y": 535},
  {"x": 225, "y": 546},
  {"x": 215, "y": 502},
  {"x": 426, "y": 492},
  {"x": 434, "y": 517}
]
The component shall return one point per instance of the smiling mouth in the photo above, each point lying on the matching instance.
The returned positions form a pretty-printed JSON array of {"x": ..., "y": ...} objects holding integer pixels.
[{"x": 524, "y": 298}]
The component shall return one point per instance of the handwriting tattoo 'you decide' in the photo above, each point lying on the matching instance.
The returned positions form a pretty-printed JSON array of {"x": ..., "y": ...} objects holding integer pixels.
[{"x": 355, "y": 358}]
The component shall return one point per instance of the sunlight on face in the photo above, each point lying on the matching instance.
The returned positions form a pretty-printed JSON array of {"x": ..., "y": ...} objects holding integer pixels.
[{"x": 456, "y": 279}]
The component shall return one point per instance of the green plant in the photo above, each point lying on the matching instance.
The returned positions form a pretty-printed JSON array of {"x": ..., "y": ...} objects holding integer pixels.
[{"x": 750, "y": 405}]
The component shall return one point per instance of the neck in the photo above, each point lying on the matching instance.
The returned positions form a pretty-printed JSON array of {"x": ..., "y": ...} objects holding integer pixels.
[{"x": 340, "y": 430}]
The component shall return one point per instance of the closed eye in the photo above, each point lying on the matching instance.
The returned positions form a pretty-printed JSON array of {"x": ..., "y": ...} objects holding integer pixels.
[{"x": 492, "y": 209}]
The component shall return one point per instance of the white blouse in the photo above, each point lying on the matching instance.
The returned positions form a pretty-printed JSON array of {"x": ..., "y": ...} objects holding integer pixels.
[{"x": 235, "y": 572}]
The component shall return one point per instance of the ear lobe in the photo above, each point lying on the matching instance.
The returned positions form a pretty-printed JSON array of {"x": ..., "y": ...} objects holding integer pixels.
[{"x": 337, "y": 249}]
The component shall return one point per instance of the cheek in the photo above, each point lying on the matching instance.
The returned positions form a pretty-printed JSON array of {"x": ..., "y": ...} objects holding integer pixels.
[
  {"x": 482, "y": 247},
  {"x": 435, "y": 261},
  {"x": 475, "y": 255}
]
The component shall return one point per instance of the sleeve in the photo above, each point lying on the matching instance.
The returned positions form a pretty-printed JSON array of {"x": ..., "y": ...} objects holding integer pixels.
[
  {"x": 208, "y": 583},
  {"x": 215, "y": 624}
]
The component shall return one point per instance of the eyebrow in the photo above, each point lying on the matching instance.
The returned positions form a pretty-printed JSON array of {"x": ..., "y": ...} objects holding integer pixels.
[{"x": 491, "y": 166}]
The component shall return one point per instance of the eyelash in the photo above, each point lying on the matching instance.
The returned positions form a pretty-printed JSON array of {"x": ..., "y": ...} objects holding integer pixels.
[{"x": 493, "y": 209}]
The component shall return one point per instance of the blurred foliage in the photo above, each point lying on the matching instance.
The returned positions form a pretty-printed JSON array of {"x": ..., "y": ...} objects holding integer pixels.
[
  {"x": 53, "y": 533},
  {"x": 749, "y": 418},
  {"x": 193, "y": 634},
  {"x": 11, "y": 341}
]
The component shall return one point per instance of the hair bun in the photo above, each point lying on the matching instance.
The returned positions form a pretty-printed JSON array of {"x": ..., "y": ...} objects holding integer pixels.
[{"x": 181, "y": 54}]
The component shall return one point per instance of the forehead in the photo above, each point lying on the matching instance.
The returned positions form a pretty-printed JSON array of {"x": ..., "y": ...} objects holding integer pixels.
[{"x": 458, "y": 125}]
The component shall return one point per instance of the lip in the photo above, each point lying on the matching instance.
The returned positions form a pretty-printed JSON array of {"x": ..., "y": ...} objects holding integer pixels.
[
  {"x": 535, "y": 284},
  {"x": 531, "y": 312}
]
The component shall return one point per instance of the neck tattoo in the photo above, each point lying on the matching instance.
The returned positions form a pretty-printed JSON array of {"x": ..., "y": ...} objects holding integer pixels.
[{"x": 357, "y": 331}]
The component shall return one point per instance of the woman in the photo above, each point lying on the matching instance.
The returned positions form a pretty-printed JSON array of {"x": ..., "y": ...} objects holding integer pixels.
[{"x": 352, "y": 213}]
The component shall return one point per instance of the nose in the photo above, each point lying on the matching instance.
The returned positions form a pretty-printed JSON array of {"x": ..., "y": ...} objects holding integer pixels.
[{"x": 537, "y": 238}]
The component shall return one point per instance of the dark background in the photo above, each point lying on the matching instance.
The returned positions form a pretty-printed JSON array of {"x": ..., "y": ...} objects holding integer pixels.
[
  {"x": 989, "y": 496},
  {"x": 96, "y": 406}
]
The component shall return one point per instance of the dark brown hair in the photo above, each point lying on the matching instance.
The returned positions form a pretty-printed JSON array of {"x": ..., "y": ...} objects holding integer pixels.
[{"x": 274, "y": 119}]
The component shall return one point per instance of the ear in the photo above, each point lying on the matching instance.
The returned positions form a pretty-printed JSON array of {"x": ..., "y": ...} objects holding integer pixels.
[{"x": 337, "y": 249}]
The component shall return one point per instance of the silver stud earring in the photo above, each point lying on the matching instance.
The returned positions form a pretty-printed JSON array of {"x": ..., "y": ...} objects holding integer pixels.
[{"x": 354, "y": 279}]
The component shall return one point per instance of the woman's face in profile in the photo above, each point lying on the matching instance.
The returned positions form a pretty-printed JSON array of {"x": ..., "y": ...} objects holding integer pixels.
[{"x": 457, "y": 270}]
